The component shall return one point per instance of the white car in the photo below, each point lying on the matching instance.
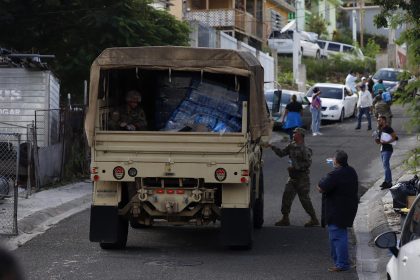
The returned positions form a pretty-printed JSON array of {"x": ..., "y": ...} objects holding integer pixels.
[
  {"x": 348, "y": 52},
  {"x": 337, "y": 101},
  {"x": 405, "y": 261},
  {"x": 282, "y": 42}
]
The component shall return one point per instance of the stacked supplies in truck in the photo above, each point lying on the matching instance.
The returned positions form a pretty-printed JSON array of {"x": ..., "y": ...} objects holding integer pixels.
[{"x": 209, "y": 106}]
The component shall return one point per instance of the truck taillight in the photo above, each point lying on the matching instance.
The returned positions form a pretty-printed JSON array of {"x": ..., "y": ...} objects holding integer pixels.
[
  {"x": 96, "y": 178},
  {"x": 170, "y": 191},
  {"x": 180, "y": 191},
  {"x": 94, "y": 170},
  {"x": 244, "y": 180},
  {"x": 160, "y": 191},
  {"x": 119, "y": 172},
  {"x": 245, "y": 172}
]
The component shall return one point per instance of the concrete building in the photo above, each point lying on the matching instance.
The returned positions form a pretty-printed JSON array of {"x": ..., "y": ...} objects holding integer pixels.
[
  {"x": 369, "y": 27},
  {"x": 242, "y": 19}
]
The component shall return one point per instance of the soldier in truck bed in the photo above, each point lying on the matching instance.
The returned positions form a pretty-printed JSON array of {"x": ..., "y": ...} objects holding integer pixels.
[
  {"x": 129, "y": 116},
  {"x": 298, "y": 183}
]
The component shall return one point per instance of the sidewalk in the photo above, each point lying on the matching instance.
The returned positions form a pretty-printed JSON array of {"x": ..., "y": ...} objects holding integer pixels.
[
  {"x": 376, "y": 215},
  {"x": 44, "y": 209}
]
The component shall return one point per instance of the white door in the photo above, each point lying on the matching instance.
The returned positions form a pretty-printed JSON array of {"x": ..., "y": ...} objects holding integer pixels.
[{"x": 409, "y": 254}]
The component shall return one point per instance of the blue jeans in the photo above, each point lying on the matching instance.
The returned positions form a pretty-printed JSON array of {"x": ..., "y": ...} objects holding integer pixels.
[
  {"x": 364, "y": 111},
  {"x": 339, "y": 246},
  {"x": 316, "y": 120},
  {"x": 386, "y": 156}
]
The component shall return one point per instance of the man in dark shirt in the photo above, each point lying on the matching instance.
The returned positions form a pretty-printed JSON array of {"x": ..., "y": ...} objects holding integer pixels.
[
  {"x": 386, "y": 136},
  {"x": 339, "y": 207}
]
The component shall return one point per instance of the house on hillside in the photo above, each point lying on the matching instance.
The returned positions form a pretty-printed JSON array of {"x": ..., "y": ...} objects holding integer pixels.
[
  {"x": 242, "y": 19},
  {"x": 277, "y": 15},
  {"x": 326, "y": 9}
]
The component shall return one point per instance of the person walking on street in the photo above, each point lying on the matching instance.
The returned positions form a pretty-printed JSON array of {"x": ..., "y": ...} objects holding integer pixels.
[
  {"x": 386, "y": 136},
  {"x": 316, "y": 107},
  {"x": 298, "y": 183},
  {"x": 351, "y": 81},
  {"x": 370, "y": 84},
  {"x": 382, "y": 108},
  {"x": 364, "y": 103},
  {"x": 379, "y": 85},
  {"x": 293, "y": 115},
  {"x": 339, "y": 207}
]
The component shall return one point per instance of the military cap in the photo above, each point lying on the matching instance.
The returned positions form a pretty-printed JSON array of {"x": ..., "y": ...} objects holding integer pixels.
[{"x": 299, "y": 130}]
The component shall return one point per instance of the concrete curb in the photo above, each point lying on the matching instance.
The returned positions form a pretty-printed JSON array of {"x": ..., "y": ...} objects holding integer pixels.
[
  {"x": 371, "y": 221},
  {"x": 34, "y": 223}
]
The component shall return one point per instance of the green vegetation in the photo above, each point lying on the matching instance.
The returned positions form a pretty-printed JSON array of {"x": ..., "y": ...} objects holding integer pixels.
[
  {"x": 406, "y": 12},
  {"x": 318, "y": 25},
  {"x": 76, "y": 31},
  {"x": 332, "y": 70},
  {"x": 371, "y": 49}
]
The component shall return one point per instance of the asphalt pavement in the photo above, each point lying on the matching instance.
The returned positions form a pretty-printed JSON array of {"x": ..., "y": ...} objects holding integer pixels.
[{"x": 44, "y": 209}]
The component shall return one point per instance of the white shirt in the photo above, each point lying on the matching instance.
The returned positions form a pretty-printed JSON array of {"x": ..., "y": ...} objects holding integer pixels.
[
  {"x": 365, "y": 99},
  {"x": 351, "y": 82}
]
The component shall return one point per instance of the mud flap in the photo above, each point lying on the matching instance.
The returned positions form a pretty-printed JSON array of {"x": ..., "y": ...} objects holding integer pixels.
[
  {"x": 237, "y": 227},
  {"x": 103, "y": 224}
]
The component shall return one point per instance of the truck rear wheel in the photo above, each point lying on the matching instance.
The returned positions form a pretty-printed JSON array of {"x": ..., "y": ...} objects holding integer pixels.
[
  {"x": 237, "y": 227},
  {"x": 122, "y": 232},
  {"x": 259, "y": 204}
]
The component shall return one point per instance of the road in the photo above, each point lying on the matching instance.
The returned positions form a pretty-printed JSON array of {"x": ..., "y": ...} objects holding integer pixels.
[{"x": 295, "y": 252}]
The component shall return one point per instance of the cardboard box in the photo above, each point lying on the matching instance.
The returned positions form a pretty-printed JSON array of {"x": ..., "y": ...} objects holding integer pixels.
[{"x": 410, "y": 200}]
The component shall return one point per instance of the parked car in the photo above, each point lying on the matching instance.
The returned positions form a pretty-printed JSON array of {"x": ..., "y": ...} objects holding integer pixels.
[
  {"x": 283, "y": 43},
  {"x": 348, "y": 52},
  {"x": 391, "y": 79},
  {"x": 405, "y": 260},
  {"x": 338, "y": 101},
  {"x": 286, "y": 96}
]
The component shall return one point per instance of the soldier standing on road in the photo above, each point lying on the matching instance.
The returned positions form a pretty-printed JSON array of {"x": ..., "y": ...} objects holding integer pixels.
[
  {"x": 130, "y": 116},
  {"x": 298, "y": 183}
]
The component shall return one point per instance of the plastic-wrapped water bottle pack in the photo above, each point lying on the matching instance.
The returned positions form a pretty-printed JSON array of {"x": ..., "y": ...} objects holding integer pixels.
[{"x": 212, "y": 106}]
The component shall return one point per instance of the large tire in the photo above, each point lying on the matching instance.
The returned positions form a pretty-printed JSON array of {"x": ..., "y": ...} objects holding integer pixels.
[
  {"x": 318, "y": 55},
  {"x": 259, "y": 204},
  {"x": 122, "y": 228},
  {"x": 237, "y": 228},
  {"x": 341, "y": 119},
  {"x": 136, "y": 225},
  {"x": 122, "y": 225}
]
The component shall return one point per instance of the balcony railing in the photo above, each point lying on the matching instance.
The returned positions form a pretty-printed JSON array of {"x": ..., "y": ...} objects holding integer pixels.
[{"x": 229, "y": 18}]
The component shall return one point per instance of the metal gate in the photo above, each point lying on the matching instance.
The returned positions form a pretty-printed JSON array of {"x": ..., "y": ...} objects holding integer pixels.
[{"x": 9, "y": 173}]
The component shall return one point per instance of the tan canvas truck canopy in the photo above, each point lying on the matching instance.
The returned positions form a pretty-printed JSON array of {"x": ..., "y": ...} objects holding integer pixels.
[{"x": 221, "y": 61}]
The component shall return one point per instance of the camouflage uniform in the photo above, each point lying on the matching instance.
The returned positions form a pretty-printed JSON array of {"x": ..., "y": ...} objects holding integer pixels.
[
  {"x": 298, "y": 182},
  {"x": 135, "y": 117},
  {"x": 382, "y": 108}
]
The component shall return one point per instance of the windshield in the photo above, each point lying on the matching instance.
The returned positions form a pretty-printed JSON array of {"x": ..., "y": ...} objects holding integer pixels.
[
  {"x": 269, "y": 96},
  {"x": 329, "y": 92},
  {"x": 387, "y": 75}
]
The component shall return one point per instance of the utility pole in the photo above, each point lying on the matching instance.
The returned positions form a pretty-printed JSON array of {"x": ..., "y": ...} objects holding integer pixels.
[
  {"x": 361, "y": 18},
  {"x": 354, "y": 27}
]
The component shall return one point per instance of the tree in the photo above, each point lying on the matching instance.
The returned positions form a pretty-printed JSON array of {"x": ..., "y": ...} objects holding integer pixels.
[
  {"x": 76, "y": 31},
  {"x": 318, "y": 25},
  {"x": 395, "y": 12}
]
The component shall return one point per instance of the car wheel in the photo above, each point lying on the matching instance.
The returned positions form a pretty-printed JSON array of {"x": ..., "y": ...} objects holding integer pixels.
[
  {"x": 318, "y": 55},
  {"x": 354, "y": 111},
  {"x": 341, "y": 119},
  {"x": 301, "y": 50}
]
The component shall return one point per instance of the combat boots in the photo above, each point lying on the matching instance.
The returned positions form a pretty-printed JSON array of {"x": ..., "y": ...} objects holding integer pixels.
[
  {"x": 283, "y": 222},
  {"x": 312, "y": 222}
]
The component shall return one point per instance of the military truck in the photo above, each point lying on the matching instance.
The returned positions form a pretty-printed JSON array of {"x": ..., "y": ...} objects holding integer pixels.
[{"x": 200, "y": 159}]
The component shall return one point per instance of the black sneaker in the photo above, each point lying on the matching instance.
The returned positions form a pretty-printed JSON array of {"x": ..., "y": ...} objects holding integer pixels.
[
  {"x": 386, "y": 185},
  {"x": 369, "y": 128},
  {"x": 357, "y": 128}
]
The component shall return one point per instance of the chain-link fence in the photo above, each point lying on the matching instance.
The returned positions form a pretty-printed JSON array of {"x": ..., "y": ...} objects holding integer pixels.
[{"x": 9, "y": 174}]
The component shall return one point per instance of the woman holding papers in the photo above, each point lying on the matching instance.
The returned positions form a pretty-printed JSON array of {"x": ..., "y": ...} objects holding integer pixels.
[{"x": 387, "y": 138}]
